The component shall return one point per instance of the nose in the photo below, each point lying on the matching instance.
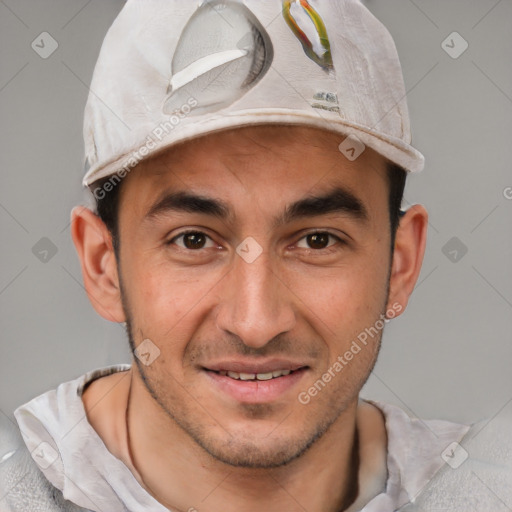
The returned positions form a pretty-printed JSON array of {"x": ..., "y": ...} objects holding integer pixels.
[{"x": 255, "y": 305}]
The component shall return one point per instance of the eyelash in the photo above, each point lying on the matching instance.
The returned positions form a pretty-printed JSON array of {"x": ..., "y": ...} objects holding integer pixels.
[{"x": 326, "y": 250}]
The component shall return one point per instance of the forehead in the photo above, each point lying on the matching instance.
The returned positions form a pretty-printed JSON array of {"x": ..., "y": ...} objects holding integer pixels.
[{"x": 261, "y": 164}]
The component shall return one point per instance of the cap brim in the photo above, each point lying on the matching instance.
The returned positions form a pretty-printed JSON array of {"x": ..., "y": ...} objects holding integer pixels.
[{"x": 394, "y": 149}]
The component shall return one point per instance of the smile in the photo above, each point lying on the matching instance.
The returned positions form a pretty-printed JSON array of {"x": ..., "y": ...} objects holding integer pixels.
[
  {"x": 253, "y": 383},
  {"x": 255, "y": 376}
]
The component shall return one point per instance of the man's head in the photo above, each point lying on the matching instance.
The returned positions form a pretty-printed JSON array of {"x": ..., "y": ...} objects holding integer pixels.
[
  {"x": 249, "y": 161},
  {"x": 286, "y": 266}
]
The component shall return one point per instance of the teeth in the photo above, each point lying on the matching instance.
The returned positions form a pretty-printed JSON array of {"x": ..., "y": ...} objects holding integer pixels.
[
  {"x": 264, "y": 376},
  {"x": 255, "y": 376}
]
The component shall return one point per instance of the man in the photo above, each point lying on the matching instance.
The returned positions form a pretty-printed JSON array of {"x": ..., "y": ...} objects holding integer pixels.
[{"x": 248, "y": 163}]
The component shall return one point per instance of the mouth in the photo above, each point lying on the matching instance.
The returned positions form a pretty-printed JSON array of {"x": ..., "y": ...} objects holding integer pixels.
[
  {"x": 275, "y": 374},
  {"x": 255, "y": 383}
]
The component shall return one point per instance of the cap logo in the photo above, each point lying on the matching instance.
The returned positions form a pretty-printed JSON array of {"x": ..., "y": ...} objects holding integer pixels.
[
  {"x": 222, "y": 52},
  {"x": 309, "y": 28},
  {"x": 326, "y": 101}
]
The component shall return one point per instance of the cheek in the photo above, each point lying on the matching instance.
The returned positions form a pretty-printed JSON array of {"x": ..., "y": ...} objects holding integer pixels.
[
  {"x": 349, "y": 293},
  {"x": 346, "y": 301},
  {"x": 166, "y": 303}
]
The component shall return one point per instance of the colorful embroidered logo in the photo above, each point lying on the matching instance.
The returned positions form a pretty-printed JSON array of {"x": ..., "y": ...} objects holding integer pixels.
[{"x": 308, "y": 27}]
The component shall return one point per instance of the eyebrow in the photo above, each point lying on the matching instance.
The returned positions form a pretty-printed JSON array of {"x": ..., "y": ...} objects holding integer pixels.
[{"x": 337, "y": 200}]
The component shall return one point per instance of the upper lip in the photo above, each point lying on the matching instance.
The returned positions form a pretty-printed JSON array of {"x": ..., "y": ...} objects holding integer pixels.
[{"x": 267, "y": 366}]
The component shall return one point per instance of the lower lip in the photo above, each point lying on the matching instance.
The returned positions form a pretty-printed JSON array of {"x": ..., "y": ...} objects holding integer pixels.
[{"x": 256, "y": 391}]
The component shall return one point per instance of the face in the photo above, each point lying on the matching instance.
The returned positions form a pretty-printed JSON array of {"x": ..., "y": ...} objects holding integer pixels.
[{"x": 254, "y": 259}]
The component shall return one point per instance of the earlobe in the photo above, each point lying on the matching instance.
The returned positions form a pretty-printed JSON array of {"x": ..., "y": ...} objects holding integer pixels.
[
  {"x": 408, "y": 255},
  {"x": 93, "y": 244}
]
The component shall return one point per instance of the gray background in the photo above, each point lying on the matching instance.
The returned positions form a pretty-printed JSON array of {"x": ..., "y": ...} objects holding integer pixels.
[{"x": 448, "y": 356}]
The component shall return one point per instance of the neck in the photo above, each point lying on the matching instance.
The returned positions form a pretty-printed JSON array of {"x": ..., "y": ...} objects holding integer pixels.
[{"x": 183, "y": 477}]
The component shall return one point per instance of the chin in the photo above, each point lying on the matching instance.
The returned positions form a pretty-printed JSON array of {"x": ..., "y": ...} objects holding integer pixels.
[
  {"x": 251, "y": 446},
  {"x": 248, "y": 454}
]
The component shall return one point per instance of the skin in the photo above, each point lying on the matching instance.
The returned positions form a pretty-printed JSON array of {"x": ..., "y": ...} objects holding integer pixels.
[{"x": 301, "y": 301}]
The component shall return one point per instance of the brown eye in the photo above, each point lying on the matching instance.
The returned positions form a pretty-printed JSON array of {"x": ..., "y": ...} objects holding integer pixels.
[
  {"x": 192, "y": 240},
  {"x": 318, "y": 240}
]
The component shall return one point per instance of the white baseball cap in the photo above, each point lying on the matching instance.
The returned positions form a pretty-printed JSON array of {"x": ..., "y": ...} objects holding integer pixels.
[{"x": 173, "y": 70}]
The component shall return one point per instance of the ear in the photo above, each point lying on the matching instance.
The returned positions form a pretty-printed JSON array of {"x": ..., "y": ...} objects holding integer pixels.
[
  {"x": 93, "y": 244},
  {"x": 410, "y": 241}
]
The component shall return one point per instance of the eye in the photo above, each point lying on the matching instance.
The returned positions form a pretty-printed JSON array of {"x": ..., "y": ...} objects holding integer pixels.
[
  {"x": 192, "y": 240},
  {"x": 319, "y": 240}
]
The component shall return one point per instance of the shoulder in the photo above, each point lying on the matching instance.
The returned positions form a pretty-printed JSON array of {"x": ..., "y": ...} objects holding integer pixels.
[
  {"x": 29, "y": 480},
  {"x": 22, "y": 485},
  {"x": 477, "y": 474}
]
